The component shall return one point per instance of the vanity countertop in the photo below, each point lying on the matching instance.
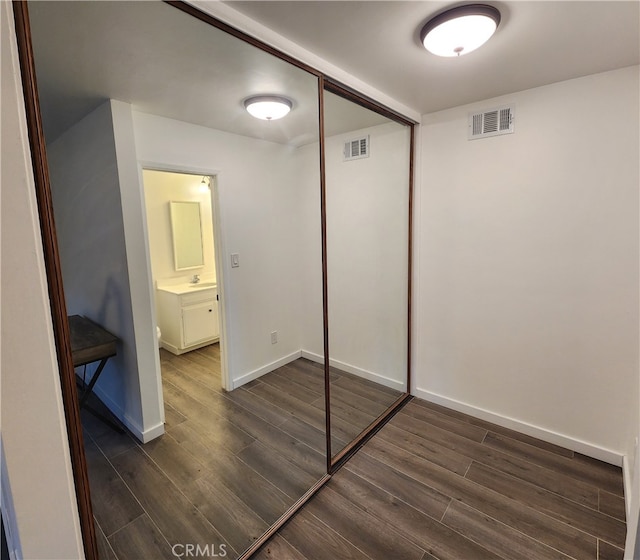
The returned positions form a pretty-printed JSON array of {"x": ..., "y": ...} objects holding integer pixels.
[{"x": 188, "y": 287}]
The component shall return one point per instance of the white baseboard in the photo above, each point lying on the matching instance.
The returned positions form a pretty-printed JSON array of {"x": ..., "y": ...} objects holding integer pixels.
[
  {"x": 247, "y": 377},
  {"x": 376, "y": 378},
  {"x": 152, "y": 433},
  {"x": 626, "y": 477},
  {"x": 179, "y": 351},
  {"x": 143, "y": 436},
  {"x": 631, "y": 495},
  {"x": 365, "y": 374},
  {"x": 169, "y": 347},
  {"x": 589, "y": 449},
  {"x": 317, "y": 358}
]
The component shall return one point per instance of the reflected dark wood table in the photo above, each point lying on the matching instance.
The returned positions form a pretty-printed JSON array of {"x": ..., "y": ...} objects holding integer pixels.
[{"x": 91, "y": 343}]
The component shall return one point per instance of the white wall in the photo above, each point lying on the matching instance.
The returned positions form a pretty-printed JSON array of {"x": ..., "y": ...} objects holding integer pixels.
[
  {"x": 367, "y": 221},
  {"x": 260, "y": 220},
  {"x": 89, "y": 182},
  {"x": 367, "y": 240},
  {"x": 528, "y": 254},
  {"x": 306, "y": 164},
  {"x": 39, "y": 506},
  {"x": 139, "y": 272},
  {"x": 161, "y": 188}
]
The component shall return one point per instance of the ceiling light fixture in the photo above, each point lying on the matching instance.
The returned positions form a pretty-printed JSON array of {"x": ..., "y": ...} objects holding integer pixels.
[
  {"x": 268, "y": 107},
  {"x": 205, "y": 184},
  {"x": 460, "y": 30}
]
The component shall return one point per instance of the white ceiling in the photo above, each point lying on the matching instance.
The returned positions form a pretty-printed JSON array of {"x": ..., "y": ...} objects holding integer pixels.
[
  {"x": 163, "y": 62},
  {"x": 537, "y": 43},
  {"x": 167, "y": 63}
]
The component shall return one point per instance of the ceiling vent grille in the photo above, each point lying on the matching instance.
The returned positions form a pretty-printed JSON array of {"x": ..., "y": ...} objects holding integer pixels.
[
  {"x": 357, "y": 148},
  {"x": 491, "y": 123}
]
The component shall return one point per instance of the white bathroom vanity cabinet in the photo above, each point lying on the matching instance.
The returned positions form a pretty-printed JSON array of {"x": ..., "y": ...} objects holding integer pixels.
[{"x": 187, "y": 316}]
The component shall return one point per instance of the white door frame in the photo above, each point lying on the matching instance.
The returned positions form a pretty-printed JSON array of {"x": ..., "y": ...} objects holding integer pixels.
[
  {"x": 222, "y": 274},
  {"x": 219, "y": 247}
]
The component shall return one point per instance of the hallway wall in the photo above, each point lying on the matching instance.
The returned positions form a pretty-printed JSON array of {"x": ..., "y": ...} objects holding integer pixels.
[
  {"x": 97, "y": 204},
  {"x": 260, "y": 222}
]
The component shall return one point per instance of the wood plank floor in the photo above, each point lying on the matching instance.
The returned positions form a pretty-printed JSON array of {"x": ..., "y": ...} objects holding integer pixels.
[
  {"x": 432, "y": 484},
  {"x": 437, "y": 484},
  {"x": 229, "y": 464}
]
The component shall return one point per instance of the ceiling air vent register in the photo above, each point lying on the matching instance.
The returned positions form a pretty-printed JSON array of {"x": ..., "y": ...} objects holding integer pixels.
[
  {"x": 492, "y": 122},
  {"x": 357, "y": 148}
]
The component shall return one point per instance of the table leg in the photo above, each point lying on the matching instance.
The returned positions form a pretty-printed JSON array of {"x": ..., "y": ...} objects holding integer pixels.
[
  {"x": 94, "y": 379},
  {"x": 87, "y": 391}
]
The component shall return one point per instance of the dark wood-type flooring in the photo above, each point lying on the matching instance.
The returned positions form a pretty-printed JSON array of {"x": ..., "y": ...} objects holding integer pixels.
[
  {"x": 229, "y": 464},
  {"x": 437, "y": 484},
  {"x": 431, "y": 484}
]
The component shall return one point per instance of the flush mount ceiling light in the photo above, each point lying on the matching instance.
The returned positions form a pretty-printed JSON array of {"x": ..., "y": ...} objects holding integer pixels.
[
  {"x": 460, "y": 30},
  {"x": 268, "y": 107},
  {"x": 205, "y": 184}
]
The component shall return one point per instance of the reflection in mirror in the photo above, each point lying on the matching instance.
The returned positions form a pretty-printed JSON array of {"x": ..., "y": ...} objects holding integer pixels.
[
  {"x": 367, "y": 196},
  {"x": 186, "y": 232},
  {"x": 132, "y": 85}
]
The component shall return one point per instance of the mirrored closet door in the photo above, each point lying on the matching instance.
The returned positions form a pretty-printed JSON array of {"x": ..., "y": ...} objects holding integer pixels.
[
  {"x": 367, "y": 174},
  {"x": 226, "y": 436},
  {"x": 148, "y": 86}
]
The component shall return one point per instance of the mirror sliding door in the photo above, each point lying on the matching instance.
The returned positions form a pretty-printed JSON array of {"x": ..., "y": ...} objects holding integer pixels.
[
  {"x": 126, "y": 87},
  {"x": 312, "y": 266},
  {"x": 368, "y": 195}
]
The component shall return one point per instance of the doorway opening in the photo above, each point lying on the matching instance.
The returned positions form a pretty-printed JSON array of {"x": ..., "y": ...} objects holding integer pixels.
[{"x": 183, "y": 238}]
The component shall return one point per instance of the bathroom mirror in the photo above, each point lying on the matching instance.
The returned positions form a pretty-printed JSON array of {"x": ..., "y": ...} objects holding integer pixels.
[
  {"x": 367, "y": 167},
  {"x": 186, "y": 232}
]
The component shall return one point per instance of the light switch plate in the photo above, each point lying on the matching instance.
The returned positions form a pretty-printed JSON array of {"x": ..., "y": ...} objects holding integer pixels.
[{"x": 235, "y": 260}]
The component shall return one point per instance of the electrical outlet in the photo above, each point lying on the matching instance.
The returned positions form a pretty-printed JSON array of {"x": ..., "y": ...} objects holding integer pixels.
[{"x": 274, "y": 337}]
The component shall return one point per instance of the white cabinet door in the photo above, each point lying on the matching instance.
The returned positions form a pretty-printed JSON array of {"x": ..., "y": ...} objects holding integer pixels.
[{"x": 200, "y": 322}]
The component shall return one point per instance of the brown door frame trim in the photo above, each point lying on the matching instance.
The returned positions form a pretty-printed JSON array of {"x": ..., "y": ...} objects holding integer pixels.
[
  {"x": 334, "y": 86},
  {"x": 54, "y": 273}
]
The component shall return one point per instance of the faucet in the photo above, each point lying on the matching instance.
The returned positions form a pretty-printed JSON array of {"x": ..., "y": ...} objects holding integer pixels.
[{"x": 195, "y": 279}]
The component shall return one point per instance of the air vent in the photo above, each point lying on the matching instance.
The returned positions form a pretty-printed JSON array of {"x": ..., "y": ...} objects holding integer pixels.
[
  {"x": 491, "y": 123},
  {"x": 356, "y": 149}
]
